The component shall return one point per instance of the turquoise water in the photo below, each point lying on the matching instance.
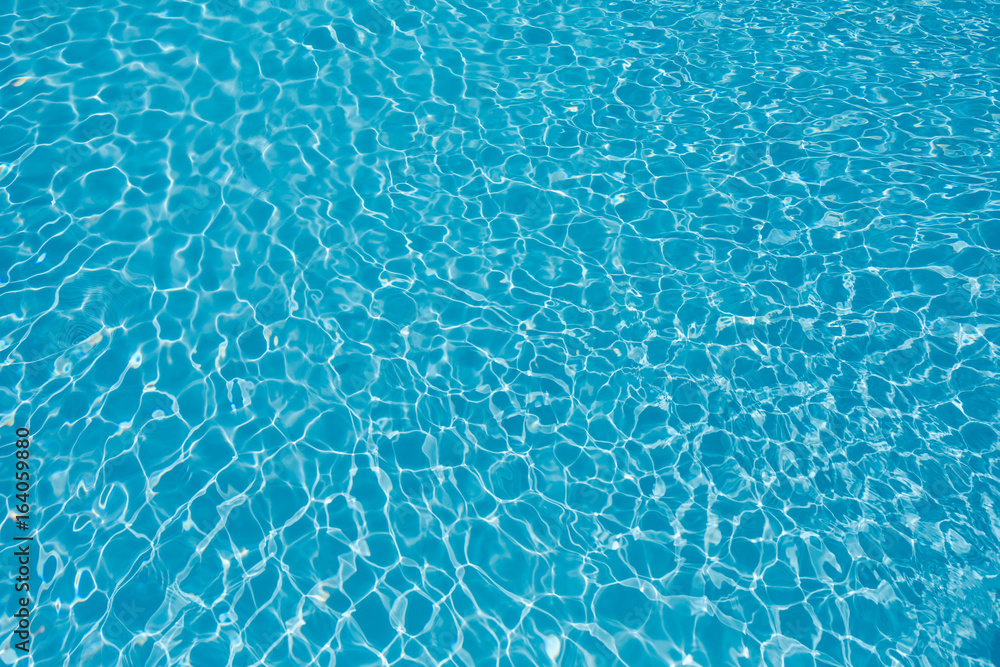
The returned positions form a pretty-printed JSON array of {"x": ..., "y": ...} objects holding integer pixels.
[{"x": 510, "y": 333}]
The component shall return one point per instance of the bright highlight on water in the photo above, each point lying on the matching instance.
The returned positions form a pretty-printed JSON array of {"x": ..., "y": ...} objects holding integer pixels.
[{"x": 500, "y": 334}]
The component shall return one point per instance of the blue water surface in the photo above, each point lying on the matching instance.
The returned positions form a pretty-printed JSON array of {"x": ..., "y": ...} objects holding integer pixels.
[{"x": 514, "y": 333}]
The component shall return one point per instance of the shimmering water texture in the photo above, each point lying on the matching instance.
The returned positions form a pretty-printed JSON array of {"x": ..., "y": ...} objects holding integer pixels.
[{"x": 461, "y": 334}]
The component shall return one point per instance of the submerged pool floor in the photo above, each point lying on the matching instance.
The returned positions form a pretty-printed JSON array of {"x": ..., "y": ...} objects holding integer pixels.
[{"x": 503, "y": 333}]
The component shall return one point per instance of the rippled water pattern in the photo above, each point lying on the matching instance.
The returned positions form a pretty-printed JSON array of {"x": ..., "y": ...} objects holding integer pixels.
[{"x": 510, "y": 333}]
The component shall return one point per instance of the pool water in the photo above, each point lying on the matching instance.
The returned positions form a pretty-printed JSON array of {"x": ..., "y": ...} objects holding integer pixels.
[{"x": 504, "y": 333}]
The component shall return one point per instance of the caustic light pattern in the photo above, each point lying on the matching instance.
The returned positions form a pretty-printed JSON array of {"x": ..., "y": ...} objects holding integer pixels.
[{"x": 504, "y": 333}]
